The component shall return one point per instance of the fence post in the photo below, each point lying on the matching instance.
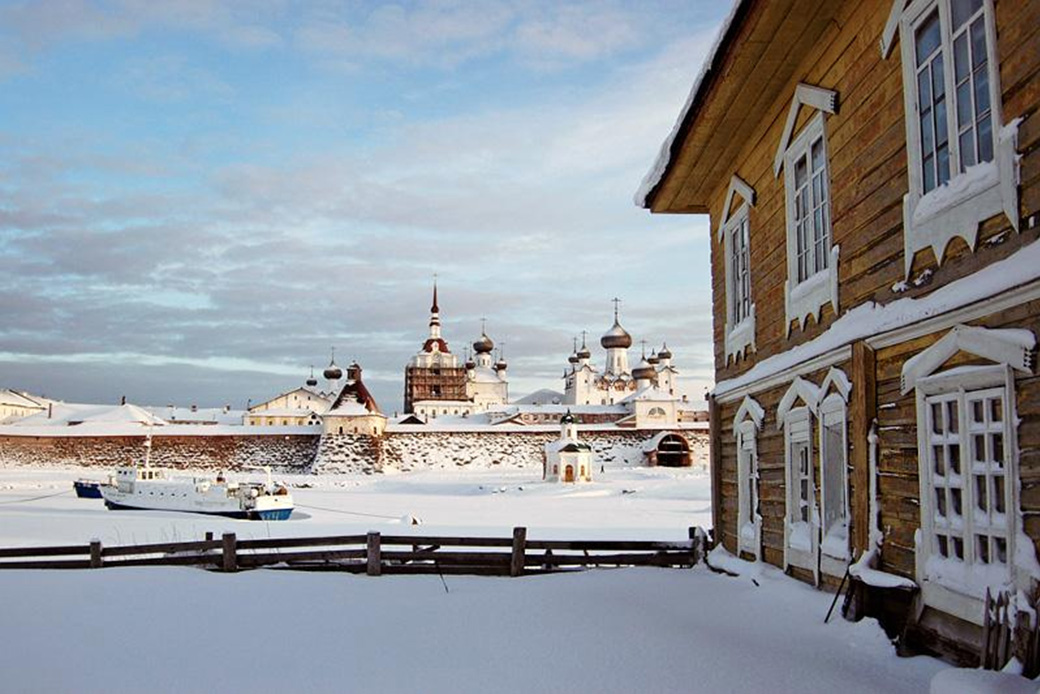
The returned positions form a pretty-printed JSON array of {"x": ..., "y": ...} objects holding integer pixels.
[
  {"x": 375, "y": 566},
  {"x": 516, "y": 565},
  {"x": 95, "y": 554},
  {"x": 209, "y": 536},
  {"x": 230, "y": 547},
  {"x": 695, "y": 545}
]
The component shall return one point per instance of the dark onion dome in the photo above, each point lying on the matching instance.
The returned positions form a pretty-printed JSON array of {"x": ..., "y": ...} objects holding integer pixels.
[
  {"x": 653, "y": 359},
  {"x": 500, "y": 365},
  {"x": 643, "y": 372},
  {"x": 584, "y": 353},
  {"x": 312, "y": 381},
  {"x": 470, "y": 365},
  {"x": 333, "y": 372},
  {"x": 573, "y": 359},
  {"x": 665, "y": 353},
  {"x": 567, "y": 418},
  {"x": 616, "y": 337},
  {"x": 484, "y": 345}
]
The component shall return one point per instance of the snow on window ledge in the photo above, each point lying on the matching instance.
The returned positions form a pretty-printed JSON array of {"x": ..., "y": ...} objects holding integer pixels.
[
  {"x": 741, "y": 336},
  {"x": 807, "y": 298},
  {"x": 956, "y": 208}
]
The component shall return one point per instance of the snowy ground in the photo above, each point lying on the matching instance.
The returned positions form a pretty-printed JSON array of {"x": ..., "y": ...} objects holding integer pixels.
[{"x": 651, "y": 630}]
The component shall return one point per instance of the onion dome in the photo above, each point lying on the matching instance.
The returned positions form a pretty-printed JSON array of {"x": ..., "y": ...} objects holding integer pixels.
[
  {"x": 584, "y": 353},
  {"x": 312, "y": 381},
  {"x": 616, "y": 338},
  {"x": 653, "y": 359},
  {"x": 567, "y": 418},
  {"x": 573, "y": 359},
  {"x": 484, "y": 345},
  {"x": 643, "y": 372},
  {"x": 500, "y": 365},
  {"x": 665, "y": 353},
  {"x": 470, "y": 364},
  {"x": 333, "y": 372}
]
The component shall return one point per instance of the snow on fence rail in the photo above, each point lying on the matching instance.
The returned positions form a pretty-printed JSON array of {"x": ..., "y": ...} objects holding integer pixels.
[{"x": 373, "y": 554}]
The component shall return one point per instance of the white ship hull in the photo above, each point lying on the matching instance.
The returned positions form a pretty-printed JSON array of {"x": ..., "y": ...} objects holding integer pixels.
[{"x": 151, "y": 489}]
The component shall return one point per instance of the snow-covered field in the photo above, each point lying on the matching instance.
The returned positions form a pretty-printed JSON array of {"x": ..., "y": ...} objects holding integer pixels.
[{"x": 648, "y": 630}]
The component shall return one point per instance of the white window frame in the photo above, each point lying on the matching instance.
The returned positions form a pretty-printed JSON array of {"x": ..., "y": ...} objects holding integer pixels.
[
  {"x": 739, "y": 335},
  {"x": 956, "y": 208},
  {"x": 798, "y": 426},
  {"x": 942, "y": 589},
  {"x": 1009, "y": 351},
  {"x": 834, "y": 554},
  {"x": 808, "y": 296},
  {"x": 746, "y": 424}
]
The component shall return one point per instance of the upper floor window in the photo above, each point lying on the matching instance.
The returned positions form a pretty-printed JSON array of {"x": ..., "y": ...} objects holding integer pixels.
[
  {"x": 961, "y": 156},
  {"x": 812, "y": 258},
  {"x": 735, "y": 233}
]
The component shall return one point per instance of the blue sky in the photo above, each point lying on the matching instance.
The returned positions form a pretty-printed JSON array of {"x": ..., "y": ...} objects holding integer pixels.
[{"x": 199, "y": 198}]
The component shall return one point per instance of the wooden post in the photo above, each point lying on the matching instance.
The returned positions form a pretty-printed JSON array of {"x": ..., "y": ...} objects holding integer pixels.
[
  {"x": 209, "y": 536},
  {"x": 862, "y": 412},
  {"x": 695, "y": 545},
  {"x": 516, "y": 565},
  {"x": 95, "y": 554},
  {"x": 230, "y": 556},
  {"x": 715, "y": 456},
  {"x": 375, "y": 566}
]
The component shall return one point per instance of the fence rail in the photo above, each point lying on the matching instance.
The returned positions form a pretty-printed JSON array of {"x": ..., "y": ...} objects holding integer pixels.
[{"x": 373, "y": 554}]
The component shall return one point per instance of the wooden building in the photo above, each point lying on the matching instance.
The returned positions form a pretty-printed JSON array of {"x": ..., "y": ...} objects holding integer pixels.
[{"x": 872, "y": 175}]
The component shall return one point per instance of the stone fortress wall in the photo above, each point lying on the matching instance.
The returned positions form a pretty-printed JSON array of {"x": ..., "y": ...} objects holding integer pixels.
[{"x": 332, "y": 453}]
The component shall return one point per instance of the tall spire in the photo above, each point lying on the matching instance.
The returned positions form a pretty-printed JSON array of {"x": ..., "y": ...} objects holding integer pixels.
[{"x": 435, "y": 308}]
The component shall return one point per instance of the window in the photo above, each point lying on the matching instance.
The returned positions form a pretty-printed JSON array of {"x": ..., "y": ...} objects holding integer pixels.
[
  {"x": 812, "y": 260},
  {"x": 734, "y": 232},
  {"x": 746, "y": 424},
  {"x": 834, "y": 500},
  {"x": 968, "y": 466},
  {"x": 963, "y": 168},
  {"x": 802, "y": 519}
]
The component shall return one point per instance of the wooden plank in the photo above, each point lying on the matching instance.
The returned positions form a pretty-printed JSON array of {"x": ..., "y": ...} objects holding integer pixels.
[
  {"x": 623, "y": 559},
  {"x": 274, "y": 542},
  {"x": 95, "y": 554},
  {"x": 47, "y": 564},
  {"x": 162, "y": 548},
  {"x": 715, "y": 457},
  {"x": 57, "y": 551},
  {"x": 447, "y": 541},
  {"x": 328, "y": 555},
  {"x": 591, "y": 545}
]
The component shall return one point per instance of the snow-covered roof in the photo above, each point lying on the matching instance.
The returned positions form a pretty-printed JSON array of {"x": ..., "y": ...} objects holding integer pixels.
[
  {"x": 12, "y": 397},
  {"x": 73, "y": 414},
  {"x": 664, "y": 157},
  {"x": 218, "y": 415},
  {"x": 485, "y": 374},
  {"x": 282, "y": 412},
  {"x": 545, "y": 396},
  {"x": 870, "y": 319}
]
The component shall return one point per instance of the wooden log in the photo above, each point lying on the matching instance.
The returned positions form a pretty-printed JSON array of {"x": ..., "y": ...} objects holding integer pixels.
[
  {"x": 447, "y": 541},
  {"x": 209, "y": 536},
  {"x": 215, "y": 560},
  {"x": 47, "y": 564},
  {"x": 230, "y": 558},
  {"x": 862, "y": 412},
  {"x": 64, "y": 550},
  {"x": 375, "y": 564},
  {"x": 95, "y": 554},
  {"x": 328, "y": 555},
  {"x": 516, "y": 565},
  {"x": 277, "y": 542},
  {"x": 161, "y": 548}
]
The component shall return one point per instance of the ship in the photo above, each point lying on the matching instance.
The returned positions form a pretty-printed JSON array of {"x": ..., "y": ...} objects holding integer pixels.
[{"x": 147, "y": 488}]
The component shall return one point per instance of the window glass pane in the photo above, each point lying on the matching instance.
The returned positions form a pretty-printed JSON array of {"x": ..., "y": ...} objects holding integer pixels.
[
  {"x": 985, "y": 140},
  {"x": 998, "y": 449},
  {"x": 940, "y": 502},
  {"x": 996, "y": 410},
  {"x": 800, "y": 172},
  {"x": 954, "y": 458},
  {"x": 943, "y": 546},
  {"x": 938, "y": 85},
  {"x": 962, "y": 10},
  {"x": 943, "y": 159},
  {"x": 817, "y": 155},
  {"x": 924, "y": 91},
  {"x": 981, "y": 92},
  {"x": 951, "y": 416},
  {"x": 998, "y": 493},
  {"x": 927, "y": 136},
  {"x": 967, "y": 143},
  {"x": 1000, "y": 544},
  {"x": 965, "y": 115},
  {"x": 958, "y": 547},
  {"x": 961, "y": 64},
  {"x": 936, "y": 418},
  {"x": 978, "y": 42},
  {"x": 981, "y": 497},
  {"x": 926, "y": 38},
  {"x": 982, "y": 548},
  {"x": 940, "y": 460},
  {"x": 955, "y": 498}
]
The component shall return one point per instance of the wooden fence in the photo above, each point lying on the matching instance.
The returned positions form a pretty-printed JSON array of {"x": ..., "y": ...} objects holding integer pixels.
[{"x": 373, "y": 554}]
